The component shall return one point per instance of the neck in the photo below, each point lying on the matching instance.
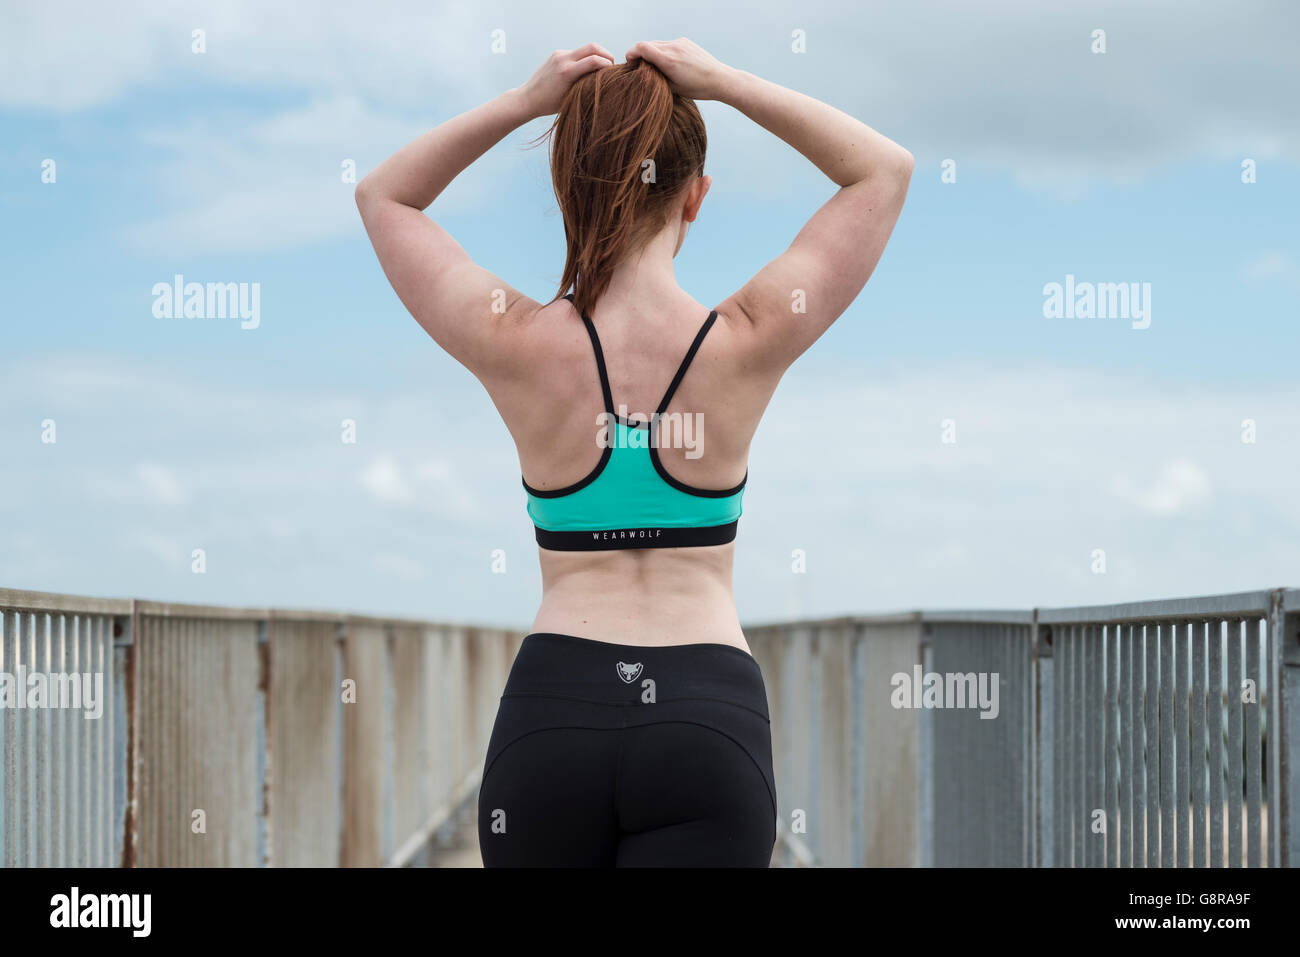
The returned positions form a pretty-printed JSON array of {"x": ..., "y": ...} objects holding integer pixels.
[{"x": 645, "y": 275}]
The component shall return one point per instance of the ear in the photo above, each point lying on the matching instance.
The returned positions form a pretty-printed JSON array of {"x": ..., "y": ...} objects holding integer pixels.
[{"x": 695, "y": 197}]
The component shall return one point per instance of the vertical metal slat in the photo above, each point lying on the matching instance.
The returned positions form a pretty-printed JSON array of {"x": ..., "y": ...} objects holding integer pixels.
[
  {"x": 1235, "y": 779},
  {"x": 1181, "y": 740},
  {"x": 1253, "y": 747},
  {"x": 1198, "y": 782}
]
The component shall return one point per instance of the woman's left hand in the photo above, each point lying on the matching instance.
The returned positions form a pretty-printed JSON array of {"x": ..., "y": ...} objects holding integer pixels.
[{"x": 544, "y": 92}]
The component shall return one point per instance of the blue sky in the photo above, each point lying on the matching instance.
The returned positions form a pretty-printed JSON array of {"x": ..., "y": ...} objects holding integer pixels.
[{"x": 1072, "y": 435}]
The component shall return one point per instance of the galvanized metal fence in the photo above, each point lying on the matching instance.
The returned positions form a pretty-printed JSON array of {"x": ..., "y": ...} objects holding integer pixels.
[
  {"x": 846, "y": 761},
  {"x": 1173, "y": 732},
  {"x": 239, "y": 737},
  {"x": 869, "y": 776},
  {"x": 1153, "y": 734},
  {"x": 977, "y": 764}
]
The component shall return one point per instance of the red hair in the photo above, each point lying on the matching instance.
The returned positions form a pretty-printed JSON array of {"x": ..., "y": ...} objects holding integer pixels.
[{"x": 623, "y": 147}]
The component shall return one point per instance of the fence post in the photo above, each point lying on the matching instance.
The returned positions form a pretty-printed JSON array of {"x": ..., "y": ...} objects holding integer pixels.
[
  {"x": 265, "y": 755},
  {"x": 1044, "y": 747},
  {"x": 123, "y": 719},
  {"x": 858, "y": 746},
  {"x": 925, "y": 776},
  {"x": 1284, "y": 730},
  {"x": 131, "y": 740}
]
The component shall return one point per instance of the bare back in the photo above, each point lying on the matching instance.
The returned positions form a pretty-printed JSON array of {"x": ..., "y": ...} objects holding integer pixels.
[{"x": 636, "y": 596}]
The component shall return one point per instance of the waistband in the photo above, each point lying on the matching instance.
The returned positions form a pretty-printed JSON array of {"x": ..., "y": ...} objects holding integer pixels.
[
  {"x": 602, "y": 672},
  {"x": 607, "y": 539}
]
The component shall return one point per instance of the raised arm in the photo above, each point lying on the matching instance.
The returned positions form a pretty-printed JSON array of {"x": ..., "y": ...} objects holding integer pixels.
[
  {"x": 464, "y": 307},
  {"x": 833, "y": 256}
]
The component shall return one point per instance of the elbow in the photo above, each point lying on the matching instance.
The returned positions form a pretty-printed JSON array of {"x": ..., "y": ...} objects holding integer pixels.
[
  {"x": 899, "y": 175},
  {"x": 368, "y": 195},
  {"x": 904, "y": 163},
  {"x": 891, "y": 170},
  {"x": 363, "y": 195}
]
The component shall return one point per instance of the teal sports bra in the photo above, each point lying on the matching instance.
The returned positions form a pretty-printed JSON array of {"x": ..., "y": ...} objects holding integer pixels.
[{"x": 629, "y": 500}]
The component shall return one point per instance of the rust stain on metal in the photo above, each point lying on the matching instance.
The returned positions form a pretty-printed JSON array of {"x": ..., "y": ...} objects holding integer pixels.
[
  {"x": 132, "y": 748},
  {"x": 268, "y": 757}
]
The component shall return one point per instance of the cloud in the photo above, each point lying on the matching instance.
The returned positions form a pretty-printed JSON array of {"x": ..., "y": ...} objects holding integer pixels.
[
  {"x": 248, "y": 182},
  {"x": 1272, "y": 266},
  {"x": 272, "y": 182},
  {"x": 433, "y": 486},
  {"x": 161, "y": 484},
  {"x": 1005, "y": 84},
  {"x": 164, "y": 551},
  {"x": 118, "y": 485},
  {"x": 1015, "y": 86},
  {"x": 70, "y": 56},
  {"x": 1180, "y": 487},
  {"x": 399, "y": 567},
  {"x": 65, "y": 55},
  {"x": 384, "y": 481},
  {"x": 1050, "y": 463}
]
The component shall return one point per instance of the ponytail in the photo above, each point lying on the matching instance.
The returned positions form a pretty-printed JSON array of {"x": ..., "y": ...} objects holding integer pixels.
[{"x": 623, "y": 147}]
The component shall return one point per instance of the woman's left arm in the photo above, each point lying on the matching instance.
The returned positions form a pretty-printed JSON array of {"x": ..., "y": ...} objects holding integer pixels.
[{"x": 465, "y": 308}]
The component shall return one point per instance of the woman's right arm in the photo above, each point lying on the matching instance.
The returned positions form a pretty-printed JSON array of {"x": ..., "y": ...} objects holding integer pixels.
[{"x": 833, "y": 256}]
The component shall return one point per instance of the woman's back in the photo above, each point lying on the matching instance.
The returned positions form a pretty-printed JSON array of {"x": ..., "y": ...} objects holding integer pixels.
[{"x": 701, "y": 439}]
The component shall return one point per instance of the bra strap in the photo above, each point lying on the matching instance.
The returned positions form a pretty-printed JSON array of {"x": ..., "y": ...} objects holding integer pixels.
[
  {"x": 681, "y": 369},
  {"x": 690, "y": 354},
  {"x": 600, "y": 360}
]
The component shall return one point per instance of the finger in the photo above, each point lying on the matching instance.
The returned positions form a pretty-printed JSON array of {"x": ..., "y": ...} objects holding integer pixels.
[
  {"x": 642, "y": 49},
  {"x": 589, "y": 63},
  {"x": 589, "y": 48}
]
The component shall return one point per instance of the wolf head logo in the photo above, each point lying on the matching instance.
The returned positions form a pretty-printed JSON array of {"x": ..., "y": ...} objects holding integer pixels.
[{"x": 629, "y": 673}]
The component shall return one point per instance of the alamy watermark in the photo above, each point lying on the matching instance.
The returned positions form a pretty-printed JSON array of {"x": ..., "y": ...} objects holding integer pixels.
[
  {"x": 931, "y": 689},
  {"x": 1101, "y": 300},
  {"x": 39, "y": 690},
  {"x": 128, "y": 911},
  {"x": 179, "y": 299},
  {"x": 663, "y": 430}
]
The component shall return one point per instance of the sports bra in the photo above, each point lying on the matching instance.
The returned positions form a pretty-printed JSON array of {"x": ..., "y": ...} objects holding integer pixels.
[{"x": 629, "y": 500}]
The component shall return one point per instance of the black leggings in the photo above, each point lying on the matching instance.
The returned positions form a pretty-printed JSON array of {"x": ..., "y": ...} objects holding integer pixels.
[{"x": 606, "y": 755}]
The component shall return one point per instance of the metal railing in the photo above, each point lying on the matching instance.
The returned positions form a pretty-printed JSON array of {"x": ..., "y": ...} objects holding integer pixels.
[
  {"x": 1156, "y": 734},
  {"x": 1066, "y": 737},
  {"x": 867, "y": 779},
  {"x": 1163, "y": 718},
  {"x": 239, "y": 737}
]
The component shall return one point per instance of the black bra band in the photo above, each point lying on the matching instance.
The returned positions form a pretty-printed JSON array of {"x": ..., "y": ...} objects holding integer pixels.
[{"x": 603, "y": 539}]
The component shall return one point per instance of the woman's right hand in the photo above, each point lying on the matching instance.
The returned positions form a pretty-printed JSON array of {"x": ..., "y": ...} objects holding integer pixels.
[{"x": 690, "y": 69}]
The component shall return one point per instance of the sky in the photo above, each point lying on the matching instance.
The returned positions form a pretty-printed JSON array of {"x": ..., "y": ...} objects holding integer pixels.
[{"x": 947, "y": 444}]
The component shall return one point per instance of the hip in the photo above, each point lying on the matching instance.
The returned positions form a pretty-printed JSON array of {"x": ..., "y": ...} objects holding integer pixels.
[{"x": 566, "y": 681}]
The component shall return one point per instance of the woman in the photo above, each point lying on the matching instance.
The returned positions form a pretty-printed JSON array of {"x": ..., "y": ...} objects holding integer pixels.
[{"x": 634, "y": 728}]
